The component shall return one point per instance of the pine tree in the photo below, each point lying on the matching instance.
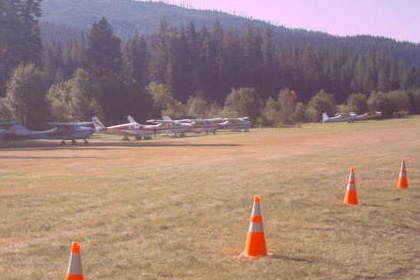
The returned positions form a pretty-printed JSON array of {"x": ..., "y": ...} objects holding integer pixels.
[
  {"x": 20, "y": 39},
  {"x": 103, "y": 55}
]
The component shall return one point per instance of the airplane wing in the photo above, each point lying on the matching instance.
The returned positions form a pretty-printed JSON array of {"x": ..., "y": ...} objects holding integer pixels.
[{"x": 68, "y": 127}]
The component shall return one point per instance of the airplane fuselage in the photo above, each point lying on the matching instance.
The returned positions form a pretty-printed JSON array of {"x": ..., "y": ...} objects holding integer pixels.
[
  {"x": 207, "y": 127},
  {"x": 235, "y": 126},
  {"x": 60, "y": 134},
  {"x": 132, "y": 130}
]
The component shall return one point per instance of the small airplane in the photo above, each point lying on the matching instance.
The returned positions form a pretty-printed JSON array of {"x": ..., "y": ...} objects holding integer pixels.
[
  {"x": 170, "y": 127},
  {"x": 339, "y": 117},
  {"x": 351, "y": 117},
  {"x": 204, "y": 125},
  {"x": 61, "y": 131},
  {"x": 236, "y": 124},
  {"x": 155, "y": 128},
  {"x": 128, "y": 129}
]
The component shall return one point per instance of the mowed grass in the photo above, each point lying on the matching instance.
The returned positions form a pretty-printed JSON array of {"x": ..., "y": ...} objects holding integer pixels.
[{"x": 180, "y": 208}]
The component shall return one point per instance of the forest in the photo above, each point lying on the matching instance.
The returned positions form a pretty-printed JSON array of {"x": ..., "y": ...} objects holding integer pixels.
[{"x": 190, "y": 72}]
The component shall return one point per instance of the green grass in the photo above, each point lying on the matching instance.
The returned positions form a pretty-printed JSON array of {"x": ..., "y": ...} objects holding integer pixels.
[{"x": 179, "y": 208}]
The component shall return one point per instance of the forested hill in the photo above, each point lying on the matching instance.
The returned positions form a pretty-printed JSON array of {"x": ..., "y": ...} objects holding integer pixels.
[
  {"x": 127, "y": 16},
  {"x": 67, "y": 60}
]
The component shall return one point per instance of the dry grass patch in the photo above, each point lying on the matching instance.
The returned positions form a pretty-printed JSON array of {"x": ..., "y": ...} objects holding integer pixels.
[{"x": 179, "y": 208}]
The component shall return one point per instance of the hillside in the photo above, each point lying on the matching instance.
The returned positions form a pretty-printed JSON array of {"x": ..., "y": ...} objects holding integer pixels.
[{"x": 127, "y": 16}]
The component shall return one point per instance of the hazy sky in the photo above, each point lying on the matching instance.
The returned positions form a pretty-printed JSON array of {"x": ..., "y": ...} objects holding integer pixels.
[{"x": 397, "y": 19}]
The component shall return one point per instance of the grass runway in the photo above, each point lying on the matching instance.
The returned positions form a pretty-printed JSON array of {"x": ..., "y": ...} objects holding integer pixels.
[{"x": 179, "y": 208}]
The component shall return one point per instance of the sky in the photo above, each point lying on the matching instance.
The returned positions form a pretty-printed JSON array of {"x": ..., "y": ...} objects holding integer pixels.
[{"x": 396, "y": 19}]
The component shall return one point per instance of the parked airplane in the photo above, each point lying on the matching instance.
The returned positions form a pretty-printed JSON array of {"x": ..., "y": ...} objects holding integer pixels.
[
  {"x": 170, "y": 127},
  {"x": 236, "y": 124},
  {"x": 126, "y": 130},
  {"x": 350, "y": 117},
  {"x": 61, "y": 131},
  {"x": 204, "y": 125},
  {"x": 155, "y": 128},
  {"x": 339, "y": 117}
]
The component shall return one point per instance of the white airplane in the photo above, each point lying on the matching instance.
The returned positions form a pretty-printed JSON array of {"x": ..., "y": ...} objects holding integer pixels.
[
  {"x": 155, "y": 128},
  {"x": 61, "y": 131},
  {"x": 351, "y": 117},
  {"x": 126, "y": 130},
  {"x": 204, "y": 125},
  {"x": 236, "y": 124},
  {"x": 170, "y": 127},
  {"x": 339, "y": 117}
]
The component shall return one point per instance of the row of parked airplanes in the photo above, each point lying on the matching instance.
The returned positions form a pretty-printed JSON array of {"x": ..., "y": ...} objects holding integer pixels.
[
  {"x": 167, "y": 126},
  {"x": 83, "y": 130},
  {"x": 350, "y": 117}
]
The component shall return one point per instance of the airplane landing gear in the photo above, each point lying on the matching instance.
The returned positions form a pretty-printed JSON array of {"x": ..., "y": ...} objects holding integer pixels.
[
  {"x": 63, "y": 143},
  {"x": 73, "y": 142},
  {"x": 86, "y": 142}
]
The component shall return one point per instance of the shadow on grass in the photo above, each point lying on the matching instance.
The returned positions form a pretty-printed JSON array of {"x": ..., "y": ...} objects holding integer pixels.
[
  {"x": 41, "y": 157},
  {"x": 106, "y": 145},
  {"x": 293, "y": 259}
]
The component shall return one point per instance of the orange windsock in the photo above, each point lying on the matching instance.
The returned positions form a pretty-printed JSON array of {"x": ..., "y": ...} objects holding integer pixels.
[
  {"x": 402, "y": 180},
  {"x": 351, "y": 194},
  {"x": 255, "y": 242},
  {"x": 293, "y": 93},
  {"x": 74, "y": 271}
]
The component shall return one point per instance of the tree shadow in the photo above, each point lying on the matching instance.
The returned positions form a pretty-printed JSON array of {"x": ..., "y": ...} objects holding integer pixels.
[{"x": 105, "y": 145}]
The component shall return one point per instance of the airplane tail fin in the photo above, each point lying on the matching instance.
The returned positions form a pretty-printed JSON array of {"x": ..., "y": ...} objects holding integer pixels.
[
  {"x": 99, "y": 126},
  {"x": 130, "y": 119},
  {"x": 324, "y": 117}
]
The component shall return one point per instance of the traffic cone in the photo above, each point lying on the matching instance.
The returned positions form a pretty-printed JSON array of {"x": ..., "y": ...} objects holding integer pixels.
[
  {"x": 74, "y": 271},
  {"x": 402, "y": 180},
  {"x": 255, "y": 242},
  {"x": 351, "y": 194}
]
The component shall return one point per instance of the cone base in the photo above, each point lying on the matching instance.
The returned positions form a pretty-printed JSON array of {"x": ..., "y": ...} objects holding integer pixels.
[
  {"x": 350, "y": 198},
  {"x": 402, "y": 183},
  {"x": 243, "y": 255},
  {"x": 74, "y": 277}
]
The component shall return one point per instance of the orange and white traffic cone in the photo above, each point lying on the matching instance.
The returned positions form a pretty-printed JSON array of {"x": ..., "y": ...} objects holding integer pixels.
[
  {"x": 74, "y": 271},
  {"x": 402, "y": 180},
  {"x": 255, "y": 242},
  {"x": 351, "y": 194}
]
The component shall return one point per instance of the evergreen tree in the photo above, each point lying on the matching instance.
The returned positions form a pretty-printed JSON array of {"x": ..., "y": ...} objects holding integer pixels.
[
  {"x": 135, "y": 58},
  {"x": 103, "y": 55},
  {"x": 104, "y": 64},
  {"x": 20, "y": 39}
]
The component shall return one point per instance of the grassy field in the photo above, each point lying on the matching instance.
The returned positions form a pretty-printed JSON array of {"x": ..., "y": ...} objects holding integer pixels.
[{"x": 179, "y": 208}]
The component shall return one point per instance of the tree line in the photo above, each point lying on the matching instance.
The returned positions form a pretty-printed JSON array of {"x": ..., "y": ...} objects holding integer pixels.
[{"x": 187, "y": 72}]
